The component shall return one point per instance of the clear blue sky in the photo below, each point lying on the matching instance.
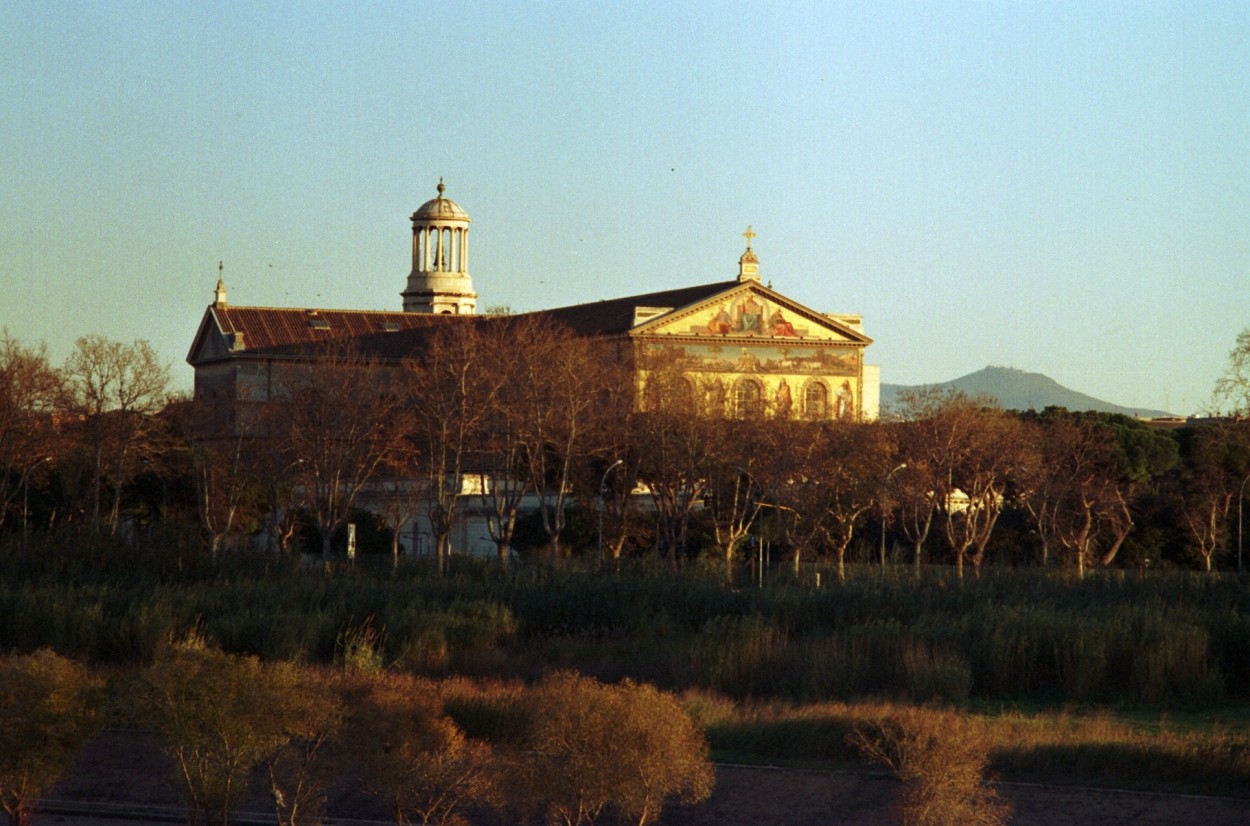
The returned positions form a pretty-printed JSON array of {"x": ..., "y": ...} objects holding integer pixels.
[{"x": 1058, "y": 187}]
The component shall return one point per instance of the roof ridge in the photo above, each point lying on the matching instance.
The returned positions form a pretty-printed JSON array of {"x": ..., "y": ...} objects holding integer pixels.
[
  {"x": 627, "y": 298},
  {"x": 313, "y": 309}
]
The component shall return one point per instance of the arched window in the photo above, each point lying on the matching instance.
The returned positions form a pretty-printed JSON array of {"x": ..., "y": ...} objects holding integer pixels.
[
  {"x": 816, "y": 401},
  {"x": 686, "y": 398},
  {"x": 748, "y": 399},
  {"x": 673, "y": 394}
]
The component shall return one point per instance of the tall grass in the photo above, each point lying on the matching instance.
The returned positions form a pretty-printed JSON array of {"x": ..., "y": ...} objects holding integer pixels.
[{"x": 1161, "y": 639}]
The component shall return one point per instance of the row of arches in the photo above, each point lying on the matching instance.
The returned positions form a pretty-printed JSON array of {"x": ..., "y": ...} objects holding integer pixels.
[
  {"x": 440, "y": 249},
  {"x": 748, "y": 397}
]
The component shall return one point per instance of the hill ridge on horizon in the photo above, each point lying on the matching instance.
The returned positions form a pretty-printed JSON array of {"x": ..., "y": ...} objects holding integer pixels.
[{"x": 1018, "y": 389}]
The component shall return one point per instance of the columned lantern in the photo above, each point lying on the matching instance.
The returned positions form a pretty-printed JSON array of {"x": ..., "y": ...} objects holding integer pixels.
[{"x": 439, "y": 281}]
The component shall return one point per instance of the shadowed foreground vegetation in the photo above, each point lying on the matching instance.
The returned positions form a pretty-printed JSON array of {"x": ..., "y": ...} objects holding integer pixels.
[
  {"x": 1205, "y": 753},
  {"x": 236, "y": 731},
  {"x": 1121, "y": 679}
]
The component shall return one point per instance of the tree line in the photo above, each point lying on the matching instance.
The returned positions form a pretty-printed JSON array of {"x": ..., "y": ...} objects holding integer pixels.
[{"x": 568, "y": 449}]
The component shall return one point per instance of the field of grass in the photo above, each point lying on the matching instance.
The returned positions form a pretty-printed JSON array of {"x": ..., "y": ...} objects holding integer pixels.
[{"x": 1120, "y": 679}]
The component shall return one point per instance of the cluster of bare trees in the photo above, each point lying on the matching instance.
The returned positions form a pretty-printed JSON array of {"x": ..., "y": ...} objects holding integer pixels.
[
  {"x": 516, "y": 419},
  {"x": 97, "y": 421},
  {"x": 527, "y": 409},
  {"x": 483, "y": 414}
]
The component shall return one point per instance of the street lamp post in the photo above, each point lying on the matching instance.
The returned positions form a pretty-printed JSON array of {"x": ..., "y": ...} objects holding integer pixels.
[
  {"x": 26, "y": 498},
  {"x": 602, "y": 483},
  {"x": 1241, "y": 495},
  {"x": 274, "y": 505},
  {"x": 884, "y": 485}
]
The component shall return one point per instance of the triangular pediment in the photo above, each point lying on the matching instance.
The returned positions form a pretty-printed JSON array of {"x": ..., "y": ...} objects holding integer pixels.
[
  {"x": 750, "y": 312},
  {"x": 207, "y": 344}
]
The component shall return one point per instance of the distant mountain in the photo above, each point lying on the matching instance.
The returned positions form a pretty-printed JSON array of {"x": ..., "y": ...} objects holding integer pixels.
[{"x": 1019, "y": 390}]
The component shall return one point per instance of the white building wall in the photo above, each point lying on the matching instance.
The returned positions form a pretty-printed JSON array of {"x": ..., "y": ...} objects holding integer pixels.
[{"x": 872, "y": 392}]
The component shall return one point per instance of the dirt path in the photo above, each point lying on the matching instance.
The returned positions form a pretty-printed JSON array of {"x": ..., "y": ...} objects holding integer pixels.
[
  {"x": 124, "y": 768},
  {"x": 747, "y": 796}
]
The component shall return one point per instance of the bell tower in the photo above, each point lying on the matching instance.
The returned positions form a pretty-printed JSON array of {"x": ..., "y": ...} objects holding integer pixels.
[{"x": 439, "y": 281}]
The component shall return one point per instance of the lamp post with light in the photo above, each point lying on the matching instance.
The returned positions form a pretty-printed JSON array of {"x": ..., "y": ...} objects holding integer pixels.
[
  {"x": 884, "y": 485},
  {"x": 26, "y": 498},
  {"x": 1241, "y": 495},
  {"x": 602, "y": 483},
  {"x": 275, "y": 511}
]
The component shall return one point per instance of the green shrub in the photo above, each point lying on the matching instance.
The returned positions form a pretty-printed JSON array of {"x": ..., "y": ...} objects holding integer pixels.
[{"x": 936, "y": 676}]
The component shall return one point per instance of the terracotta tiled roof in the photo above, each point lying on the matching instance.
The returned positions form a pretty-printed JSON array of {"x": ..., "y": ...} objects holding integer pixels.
[
  {"x": 616, "y": 315},
  {"x": 274, "y": 331},
  {"x": 267, "y": 328},
  {"x": 284, "y": 331}
]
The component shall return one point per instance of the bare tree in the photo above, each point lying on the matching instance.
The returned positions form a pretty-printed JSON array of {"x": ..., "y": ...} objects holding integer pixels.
[
  {"x": 1078, "y": 499},
  {"x": 990, "y": 451},
  {"x": 339, "y": 419},
  {"x": 298, "y": 770},
  {"x": 453, "y": 391},
  {"x": 675, "y": 445},
  {"x": 31, "y": 394},
  {"x": 501, "y": 484},
  {"x": 612, "y": 475},
  {"x": 227, "y": 489},
  {"x": 930, "y": 442},
  {"x": 736, "y": 475},
  {"x": 1232, "y": 389},
  {"x": 1217, "y": 460},
  {"x": 273, "y": 465},
  {"x": 560, "y": 381},
  {"x": 402, "y": 493},
  {"x": 795, "y": 493},
  {"x": 850, "y": 464},
  {"x": 116, "y": 390},
  {"x": 1205, "y": 515},
  {"x": 503, "y": 480}
]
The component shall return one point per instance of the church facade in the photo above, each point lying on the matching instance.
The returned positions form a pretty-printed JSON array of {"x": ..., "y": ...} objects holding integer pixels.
[{"x": 741, "y": 347}]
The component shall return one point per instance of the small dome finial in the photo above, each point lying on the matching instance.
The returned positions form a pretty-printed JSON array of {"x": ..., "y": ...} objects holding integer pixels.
[
  {"x": 441, "y": 188},
  {"x": 219, "y": 295}
]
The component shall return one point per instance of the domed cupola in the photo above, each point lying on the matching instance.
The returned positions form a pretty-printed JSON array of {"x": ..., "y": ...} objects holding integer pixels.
[{"x": 439, "y": 281}]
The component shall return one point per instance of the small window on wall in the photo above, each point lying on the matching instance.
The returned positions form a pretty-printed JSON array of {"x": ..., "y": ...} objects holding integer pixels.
[
  {"x": 816, "y": 401},
  {"x": 748, "y": 399}
]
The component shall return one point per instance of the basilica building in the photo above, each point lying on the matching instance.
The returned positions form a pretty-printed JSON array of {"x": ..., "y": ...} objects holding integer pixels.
[{"x": 742, "y": 347}]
